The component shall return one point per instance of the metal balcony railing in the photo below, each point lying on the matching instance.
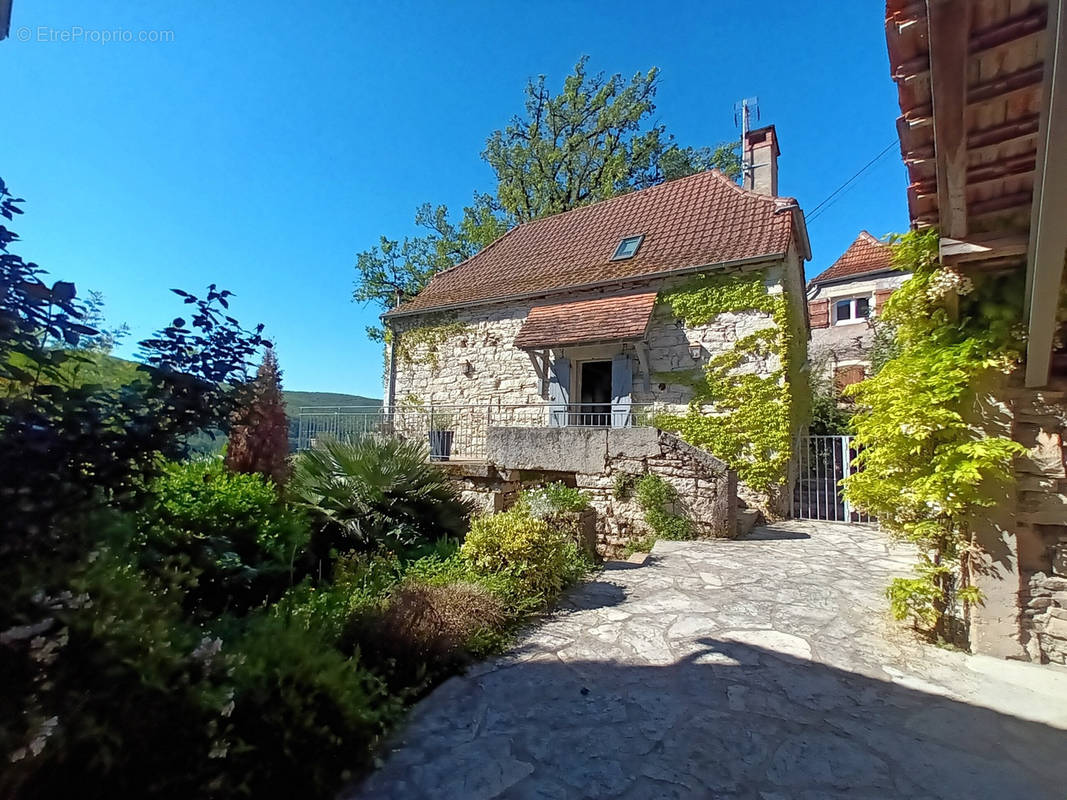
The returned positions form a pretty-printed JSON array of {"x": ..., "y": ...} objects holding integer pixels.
[{"x": 457, "y": 432}]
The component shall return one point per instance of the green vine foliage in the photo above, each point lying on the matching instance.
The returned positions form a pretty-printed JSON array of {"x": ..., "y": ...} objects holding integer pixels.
[
  {"x": 754, "y": 415},
  {"x": 420, "y": 345},
  {"x": 929, "y": 464},
  {"x": 656, "y": 497}
]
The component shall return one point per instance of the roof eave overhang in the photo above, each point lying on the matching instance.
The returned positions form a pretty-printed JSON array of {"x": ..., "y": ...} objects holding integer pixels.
[
  {"x": 753, "y": 262},
  {"x": 874, "y": 273},
  {"x": 581, "y": 343}
]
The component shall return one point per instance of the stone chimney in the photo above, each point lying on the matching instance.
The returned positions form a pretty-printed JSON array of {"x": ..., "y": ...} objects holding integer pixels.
[{"x": 761, "y": 153}]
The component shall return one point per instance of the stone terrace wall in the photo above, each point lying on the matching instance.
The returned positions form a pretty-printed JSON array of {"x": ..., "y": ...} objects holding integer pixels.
[{"x": 707, "y": 490}]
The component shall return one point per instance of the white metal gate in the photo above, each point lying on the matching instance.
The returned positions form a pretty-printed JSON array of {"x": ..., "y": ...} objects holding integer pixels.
[{"x": 822, "y": 463}]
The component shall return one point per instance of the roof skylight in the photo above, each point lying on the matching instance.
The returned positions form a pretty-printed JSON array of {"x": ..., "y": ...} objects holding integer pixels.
[{"x": 627, "y": 248}]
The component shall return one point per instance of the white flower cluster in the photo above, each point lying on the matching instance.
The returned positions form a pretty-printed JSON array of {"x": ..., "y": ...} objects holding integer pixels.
[
  {"x": 206, "y": 651},
  {"x": 45, "y": 651},
  {"x": 228, "y": 706},
  {"x": 40, "y": 736},
  {"x": 948, "y": 281}
]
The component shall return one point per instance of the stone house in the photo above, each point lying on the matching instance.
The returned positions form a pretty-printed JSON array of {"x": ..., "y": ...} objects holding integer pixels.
[
  {"x": 842, "y": 301},
  {"x": 558, "y": 349}
]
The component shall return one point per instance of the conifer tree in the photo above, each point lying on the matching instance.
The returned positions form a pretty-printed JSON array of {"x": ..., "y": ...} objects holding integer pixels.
[{"x": 259, "y": 438}]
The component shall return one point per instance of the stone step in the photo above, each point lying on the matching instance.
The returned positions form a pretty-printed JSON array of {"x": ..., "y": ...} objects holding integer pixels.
[{"x": 747, "y": 518}]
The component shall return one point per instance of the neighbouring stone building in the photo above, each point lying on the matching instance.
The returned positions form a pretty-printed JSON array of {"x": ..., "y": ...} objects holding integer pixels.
[
  {"x": 983, "y": 146},
  {"x": 532, "y": 357},
  {"x": 843, "y": 300}
]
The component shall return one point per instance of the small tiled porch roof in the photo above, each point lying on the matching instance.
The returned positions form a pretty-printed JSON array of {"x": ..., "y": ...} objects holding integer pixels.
[
  {"x": 604, "y": 319},
  {"x": 704, "y": 220},
  {"x": 864, "y": 256}
]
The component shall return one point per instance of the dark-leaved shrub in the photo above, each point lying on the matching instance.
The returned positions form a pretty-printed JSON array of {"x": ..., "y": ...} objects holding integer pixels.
[
  {"x": 376, "y": 492},
  {"x": 110, "y": 691},
  {"x": 228, "y": 532},
  {"x": 304, "y": 715}
]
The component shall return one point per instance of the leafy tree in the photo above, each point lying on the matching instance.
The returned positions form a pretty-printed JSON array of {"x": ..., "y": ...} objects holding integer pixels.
[
  {"x": 681, "y": 162},
  {"x": 828, "y": 417},
  {"x": 66, "y": 446},
  {"x": 396, "y": 270},
  {"x": 592, "y": 141},
  {"x": 259, "y": 438},
  {"x": 930, "y": 464},
  {"x": 105, "y": 339}
]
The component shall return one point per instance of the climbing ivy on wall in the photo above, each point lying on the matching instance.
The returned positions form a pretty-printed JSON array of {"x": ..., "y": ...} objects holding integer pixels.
[
  {"x": 929, "y": 463},
  {"x": 754, "y": 415},
  {"x": 420, "y": 345}
]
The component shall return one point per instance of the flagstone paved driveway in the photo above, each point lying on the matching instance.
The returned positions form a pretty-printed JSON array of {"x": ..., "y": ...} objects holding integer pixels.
[{"x": 762, "y": 668}]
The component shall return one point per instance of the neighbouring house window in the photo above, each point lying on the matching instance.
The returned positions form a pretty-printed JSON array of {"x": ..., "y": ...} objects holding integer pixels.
[
  {"x": 852, "y": 309},
  {"x": 627, "y": 248}
]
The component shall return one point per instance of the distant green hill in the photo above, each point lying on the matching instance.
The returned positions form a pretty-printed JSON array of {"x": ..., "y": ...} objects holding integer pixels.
[
  {"x": 113, "y": 372},
  {"x": 294, "y": 400}
]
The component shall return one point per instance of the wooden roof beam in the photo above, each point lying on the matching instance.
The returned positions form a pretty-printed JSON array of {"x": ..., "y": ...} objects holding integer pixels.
[
  {"x": 994, "y": 90},
  {"x": 949, "y": 24},
  {"x": 1048, "y": 234},
  {"x": 1004, "y": 133},
  {"x": 1007, "y": 202},
  {"x": 1001, "y": 34},
  {"x": 1010, "y": 133},
  {"x": 982, "y": 248},
  {"x": 985, "y": 173}
]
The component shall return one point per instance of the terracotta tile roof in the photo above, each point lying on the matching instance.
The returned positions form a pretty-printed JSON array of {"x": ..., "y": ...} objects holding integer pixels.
[
  {"x": 702, "y": 220},
  {"x": 605, "y": 319},
  {"x": 866, "y": 254}
]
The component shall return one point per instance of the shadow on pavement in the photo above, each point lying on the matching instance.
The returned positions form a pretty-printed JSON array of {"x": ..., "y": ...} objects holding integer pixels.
[{"x": 727, "y": 720}]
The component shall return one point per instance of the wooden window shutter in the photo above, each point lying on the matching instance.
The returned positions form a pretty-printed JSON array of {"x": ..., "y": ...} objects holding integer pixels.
[
  {"x": 846, "y": 376},
  {"x": 880, "y": 297},
  {"x": 559, "y": 389},
  {"x": 819, "y": 313},
  {"x": 622, "y": 384}
]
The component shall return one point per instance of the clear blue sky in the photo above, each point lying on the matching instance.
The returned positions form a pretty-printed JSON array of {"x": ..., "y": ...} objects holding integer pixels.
[{"x": 269, "y": 142}]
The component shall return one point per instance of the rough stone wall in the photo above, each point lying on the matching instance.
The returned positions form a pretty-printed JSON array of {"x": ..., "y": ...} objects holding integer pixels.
[
  {"x": 669, "y": 343},
  {"x": 501, "y": 374},
  {"x": 481, "y": 367},
  {"x": 592, "y": 459},
  {"x": 1040, "y": 424},
  {"x": 707, "y": 492},
  {"x": 1046, "y": 615}
]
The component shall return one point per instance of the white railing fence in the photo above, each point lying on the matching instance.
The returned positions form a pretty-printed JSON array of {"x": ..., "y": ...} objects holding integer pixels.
[{"x": 457, "y": 432}]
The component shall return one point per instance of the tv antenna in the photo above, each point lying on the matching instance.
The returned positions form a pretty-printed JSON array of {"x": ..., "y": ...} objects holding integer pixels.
[{"x": 743, "y": 110}]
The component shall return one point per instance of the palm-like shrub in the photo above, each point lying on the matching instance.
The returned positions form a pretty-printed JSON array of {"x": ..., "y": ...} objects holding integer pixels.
[{"x": 374, "y": 492}]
